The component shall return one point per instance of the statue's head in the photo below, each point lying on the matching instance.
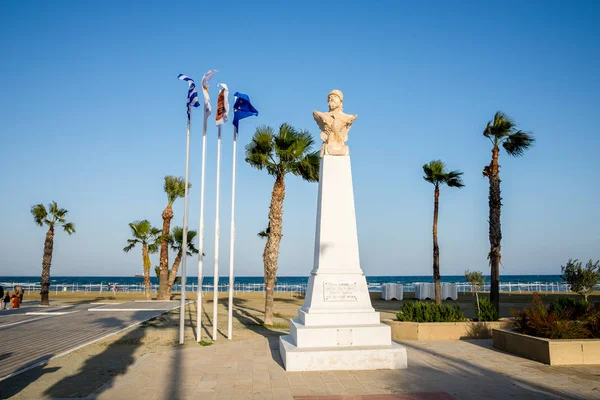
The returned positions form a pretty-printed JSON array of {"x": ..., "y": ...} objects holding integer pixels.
[{"x": 335, "y": 99}]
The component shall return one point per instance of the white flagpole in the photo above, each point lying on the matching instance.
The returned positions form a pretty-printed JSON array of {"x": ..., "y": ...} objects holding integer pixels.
[
  {"x": 201, "y": 239},
  {"x": 231, "y": 241},
  {"x": 185, "y": 232},
  {"x": 216, "y": 270}
]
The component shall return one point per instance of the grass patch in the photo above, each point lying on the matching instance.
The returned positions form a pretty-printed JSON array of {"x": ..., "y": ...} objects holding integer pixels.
[{"x": 204, "y": 343}]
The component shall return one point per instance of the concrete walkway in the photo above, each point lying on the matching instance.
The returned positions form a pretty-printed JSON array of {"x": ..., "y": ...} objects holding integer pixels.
[{"x": 252, "y": 369}]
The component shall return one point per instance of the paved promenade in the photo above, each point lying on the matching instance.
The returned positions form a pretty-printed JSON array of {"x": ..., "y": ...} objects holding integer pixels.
[
  {"x": 252, "y": 369},
  {"x": 33, "y": 335}
]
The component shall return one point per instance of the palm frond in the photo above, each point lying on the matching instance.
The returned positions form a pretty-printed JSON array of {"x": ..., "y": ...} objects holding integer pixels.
[
  {"x": 517, "y": 142},
  {"x": 53, "y": 209},
  {"x": 307, "y": 167},
  {"x": 39, "y": 214},
  {"x": 454, "y": 179},
  {"x": 190, "y": 245},
  {"x": 69, "y": 227},
  {"x": 264, "y": 234},
  {"x": 153, "y": 248},
  {"x": 501, "y": 126},
  {"x": 259, "y": 152},
  {"x": 131, "y": 245},
  {"x": 176, "y": 240},
  {"x": 434, "y": 171},
  {"x": 174, "y": 187},
  {"x": 144, "y": 231}
]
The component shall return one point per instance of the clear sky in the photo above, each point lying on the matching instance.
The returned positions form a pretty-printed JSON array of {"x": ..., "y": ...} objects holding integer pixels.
[{"x": 92, "y": 116}]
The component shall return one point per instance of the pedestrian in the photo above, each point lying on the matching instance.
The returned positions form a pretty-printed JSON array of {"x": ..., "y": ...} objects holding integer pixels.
[
  {"x": 1, "y": 293},
  {"x": 6, "y": 300},
  {"x": 14, "y": 301},
  {"x": 20, "y": 292}
]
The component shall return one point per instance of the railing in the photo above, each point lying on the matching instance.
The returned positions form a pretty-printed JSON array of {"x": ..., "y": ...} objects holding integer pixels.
[
  {"x": 296, "y": 289},
  {"x": 140, "y": 287}
]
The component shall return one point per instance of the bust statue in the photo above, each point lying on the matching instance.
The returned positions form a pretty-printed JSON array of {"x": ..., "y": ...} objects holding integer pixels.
[{"x": 334, "y": 126}]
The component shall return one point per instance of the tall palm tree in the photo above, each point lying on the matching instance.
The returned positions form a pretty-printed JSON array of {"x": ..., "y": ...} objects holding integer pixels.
[
  {"x": 51, "y": 217},
  {"x": 177, "y": 245},
  {"x": 502, "y": 130},
  {"x": 143, "y": 232},
  {"x": 287, "y": 151},
  {"x": 174, "y": 188},
  {"x": 436, "y": 174}
]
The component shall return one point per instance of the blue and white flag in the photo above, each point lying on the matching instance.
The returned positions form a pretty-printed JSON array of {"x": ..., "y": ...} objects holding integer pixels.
[{"x": 192, "y": 99}]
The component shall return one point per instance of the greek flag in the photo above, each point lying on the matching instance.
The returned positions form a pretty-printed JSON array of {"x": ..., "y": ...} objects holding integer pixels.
[{"x": 192, "y": 99}]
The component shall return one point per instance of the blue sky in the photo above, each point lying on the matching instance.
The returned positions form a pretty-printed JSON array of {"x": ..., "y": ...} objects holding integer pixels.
[{"x": 92, "y": 116}]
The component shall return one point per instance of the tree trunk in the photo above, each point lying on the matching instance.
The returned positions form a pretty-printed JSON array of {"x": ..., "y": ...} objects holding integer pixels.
[
  {"x": 167, "y": 215},
  {"x": 495, "y": 203},
  {"x": 478, "y": 308},
  {"x": 46, "y": 262},
  {"x": 173, "y": 273},
  {"x": 146, "y": 261},
  {"x": 271, "y": 253},
  {"x": 436, "y": 249}
]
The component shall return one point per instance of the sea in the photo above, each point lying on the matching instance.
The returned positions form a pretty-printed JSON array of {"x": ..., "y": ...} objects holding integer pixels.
[{"x": 507, "y": 282}]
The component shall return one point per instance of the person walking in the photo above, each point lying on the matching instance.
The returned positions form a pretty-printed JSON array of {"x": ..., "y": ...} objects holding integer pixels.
[
  {"x": 15, "y": 301},
  {"x": 20, "y": 292},
  {"x": 6, "y": 300}
]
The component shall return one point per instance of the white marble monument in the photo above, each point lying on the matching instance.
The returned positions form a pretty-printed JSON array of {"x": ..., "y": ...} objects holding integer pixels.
[{"x": 337, "y": 328}]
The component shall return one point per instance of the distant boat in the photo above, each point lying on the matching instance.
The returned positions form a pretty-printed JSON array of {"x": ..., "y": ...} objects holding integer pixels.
[{"x": 139, "y": 275}]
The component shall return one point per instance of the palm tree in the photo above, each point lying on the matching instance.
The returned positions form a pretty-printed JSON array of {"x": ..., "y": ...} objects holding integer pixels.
[
  {"x": 501, "y": 131},
  {"x": 51, "y": 217},
  {"x": 143, "y": 232},
  {"x": 436, "y": 174},
  {"x": 174, "y": 188},
  {"x": 157, "y": 272},
  {"x": 177, "y": 245},
  {"x": 287, "y": 151}
]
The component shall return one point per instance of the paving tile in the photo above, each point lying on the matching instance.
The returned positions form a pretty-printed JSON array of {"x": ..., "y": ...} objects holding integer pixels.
[
  {"x": 326, "y": 378},
  {"x": 300, "y": 390},
  {"x": 335, "y": 388},
  {"x": 282, "y": 394},
  {"x": 350, "y": 383}
]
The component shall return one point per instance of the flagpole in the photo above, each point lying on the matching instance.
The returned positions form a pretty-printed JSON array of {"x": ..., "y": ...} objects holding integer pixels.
[
  {"x": 185, "y": 232},
  {"x": 201, "y": 239},
  {"x": 231, "y": 240},
  {"x": 217, "y": 232}
]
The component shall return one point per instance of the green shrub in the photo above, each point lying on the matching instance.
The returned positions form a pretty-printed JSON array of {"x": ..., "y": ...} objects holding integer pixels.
[
  {"x": 567, "y": 305},
  {"x": 565, "y": 319},
  {"x": 429, "y": 312},
  {"x": 583, "y": 280},
  {"x": 486, "y": 311}
]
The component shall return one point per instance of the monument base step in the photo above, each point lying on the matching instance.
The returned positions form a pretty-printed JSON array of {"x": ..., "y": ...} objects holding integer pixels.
[
  {"x": 340, "y": 335},
  {"x": 391, "y": 356}
]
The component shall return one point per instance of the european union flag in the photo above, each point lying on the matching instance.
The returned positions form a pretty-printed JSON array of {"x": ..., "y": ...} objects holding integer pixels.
[{"x": 242, "y": 108}]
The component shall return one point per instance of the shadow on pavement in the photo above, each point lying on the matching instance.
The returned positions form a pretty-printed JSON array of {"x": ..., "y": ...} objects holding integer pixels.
[{"x": 460, "y": 377}]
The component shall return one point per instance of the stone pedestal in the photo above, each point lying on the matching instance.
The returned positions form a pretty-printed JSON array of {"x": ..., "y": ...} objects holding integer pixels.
[{"x": 337, "y": 328}]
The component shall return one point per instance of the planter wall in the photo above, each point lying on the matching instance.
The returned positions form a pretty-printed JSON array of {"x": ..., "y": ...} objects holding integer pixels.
[
  {"x": 444, "y": 330},
  {"x": 548, "y": 351}
]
